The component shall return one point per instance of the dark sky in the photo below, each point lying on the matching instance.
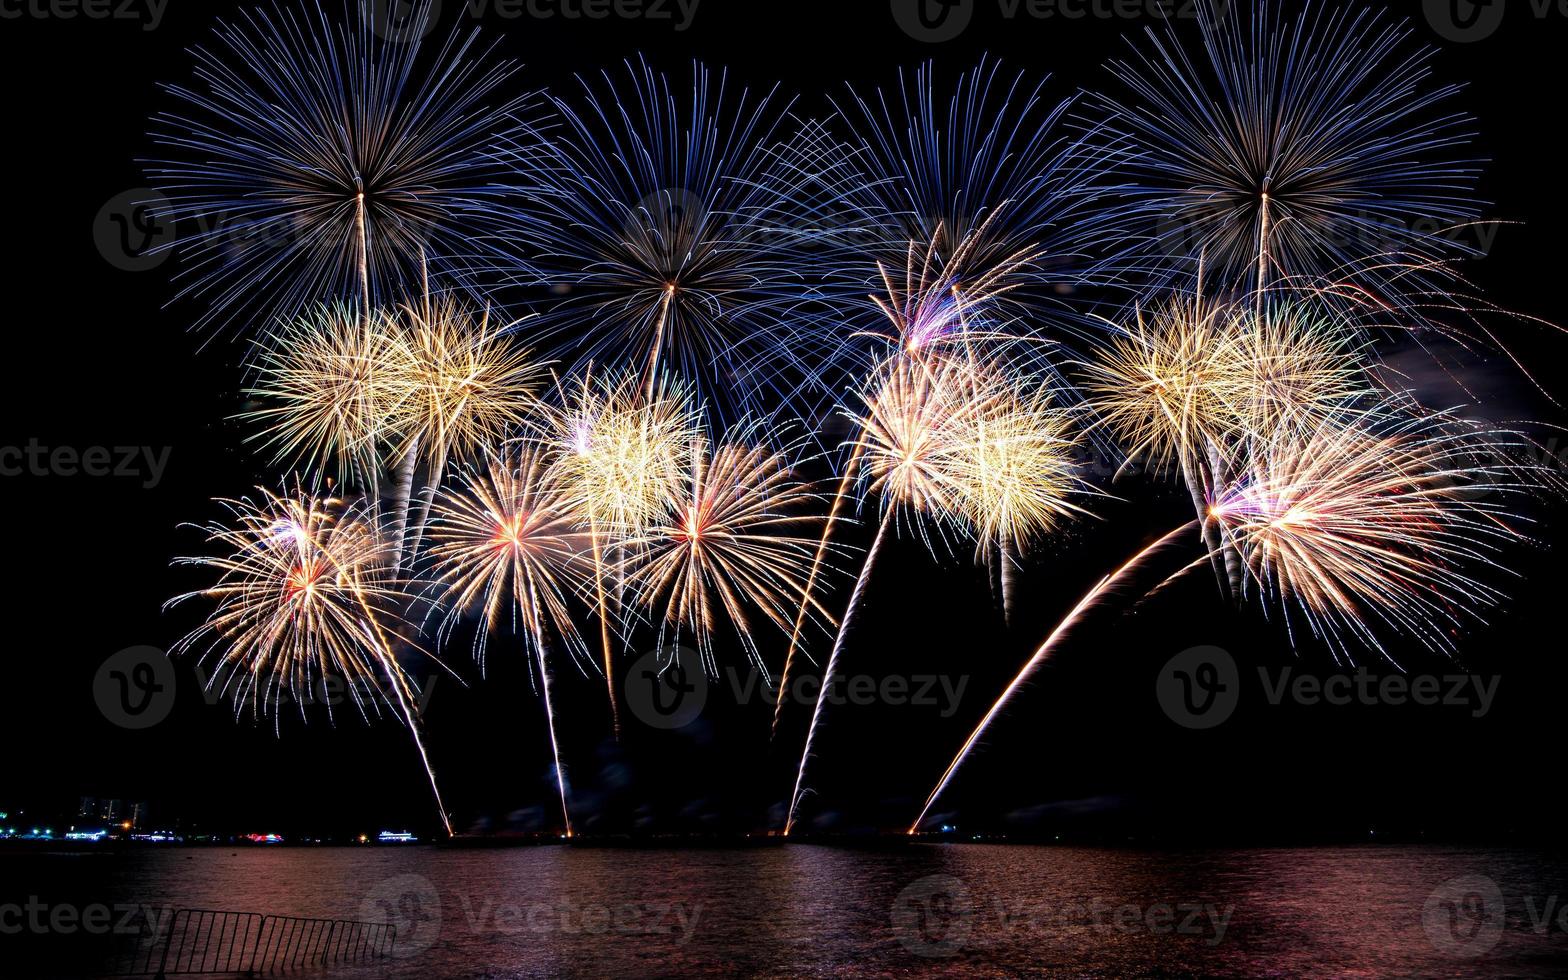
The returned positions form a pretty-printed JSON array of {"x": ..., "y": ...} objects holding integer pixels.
[{"x": 99, "y": 358}]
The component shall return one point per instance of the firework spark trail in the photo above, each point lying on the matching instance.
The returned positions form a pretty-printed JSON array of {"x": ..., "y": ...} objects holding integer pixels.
[
  {"x": 549, "y": 714},
  {"x": 507, "y": 541},
  {"x": 401, "y": 687},
  {"x": 424, "y": 757},
  {"x": 601, "y": 604},
  {"x": 832, "y": 664},
  {"x": 1040, "y": 656},
  {"x": 839, "y": 496},
  {"x": 916, "y": 435},
  {"x": 929, "y": 311}
]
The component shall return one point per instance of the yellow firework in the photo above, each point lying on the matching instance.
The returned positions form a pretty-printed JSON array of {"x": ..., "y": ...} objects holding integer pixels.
[
  {"x": 1284, "y": 366},
  {"x": 306, "y": 591},
  {"x": 1012, "y": 466},
  {"x": 1159, "y": 384},
  {"x": 459, "y": 382},
  {"x": 921, "y": 413},
  {"x": 738, "y": 539},
  {"x": 622, "y": 447},
  {"x": 1374, "y": 519},
  {"x": 325, "y": 384},
  {"x": 506, "y": 541},
  {"x": 1196, "y": 377},
  {"x": 620, "y": 444}
]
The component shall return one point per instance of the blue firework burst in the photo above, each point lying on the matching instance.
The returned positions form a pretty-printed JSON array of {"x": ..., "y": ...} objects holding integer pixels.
[
  {"x": 661, "y": 226},
  {"x": 310, "y": 160},
  {"x": 986, "y": 183},
  {"x": 1313, "y": 150}
]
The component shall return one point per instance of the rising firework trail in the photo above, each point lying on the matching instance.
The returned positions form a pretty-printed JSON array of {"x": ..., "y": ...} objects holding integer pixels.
[
  {"x": 832, "y": 666},
  {"x": 918, "y": 420},
  {"x": 1040, "y": 656},
  {"x": 509, "y": 544}
]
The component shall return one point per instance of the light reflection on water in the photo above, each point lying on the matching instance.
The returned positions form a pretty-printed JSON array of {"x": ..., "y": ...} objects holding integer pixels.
[{"x": 830, "y": 911}]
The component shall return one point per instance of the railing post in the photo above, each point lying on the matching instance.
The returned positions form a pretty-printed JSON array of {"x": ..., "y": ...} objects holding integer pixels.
[
  {"x": 328, "y": 947},
  {"x": 168, "y": 941}
]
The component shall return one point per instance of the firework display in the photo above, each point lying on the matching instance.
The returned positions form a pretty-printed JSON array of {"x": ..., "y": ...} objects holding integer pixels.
[{"x": 589, "y": 369}]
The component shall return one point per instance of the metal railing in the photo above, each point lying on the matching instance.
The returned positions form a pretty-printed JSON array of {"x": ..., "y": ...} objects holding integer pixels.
[{"x": 213, "y": 941}]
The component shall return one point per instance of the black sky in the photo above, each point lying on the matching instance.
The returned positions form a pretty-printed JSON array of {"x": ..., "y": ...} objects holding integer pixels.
[{"x": 98, "y": 358}]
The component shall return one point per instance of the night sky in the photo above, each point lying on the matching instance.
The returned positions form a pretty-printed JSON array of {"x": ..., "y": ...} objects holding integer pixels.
[{"x": 99, "y": 357}]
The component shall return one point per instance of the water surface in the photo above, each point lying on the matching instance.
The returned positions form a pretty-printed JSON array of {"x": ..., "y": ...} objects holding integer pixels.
[{"x": 953, "y": 909}]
